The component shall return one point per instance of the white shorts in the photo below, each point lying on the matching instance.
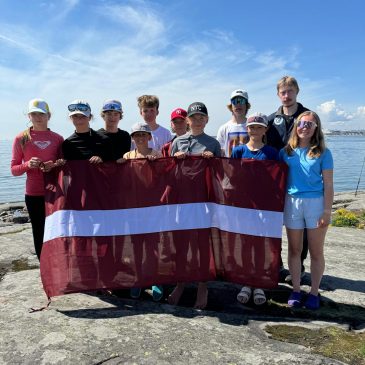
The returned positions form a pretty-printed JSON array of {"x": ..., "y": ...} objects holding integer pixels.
[{"x": 300, "y": 213}]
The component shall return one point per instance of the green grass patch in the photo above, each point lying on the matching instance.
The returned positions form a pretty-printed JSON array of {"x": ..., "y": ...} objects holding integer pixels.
[
  {"x": 346, "y": 218},
  {"x": 333, "y": 342}
]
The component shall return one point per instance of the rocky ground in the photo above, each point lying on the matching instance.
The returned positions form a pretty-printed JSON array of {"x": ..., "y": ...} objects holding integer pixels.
[{"x": 105, "y": 329}]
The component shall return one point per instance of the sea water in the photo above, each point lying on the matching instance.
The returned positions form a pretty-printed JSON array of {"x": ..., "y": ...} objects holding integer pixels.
[{"x": 348, "y": 154}]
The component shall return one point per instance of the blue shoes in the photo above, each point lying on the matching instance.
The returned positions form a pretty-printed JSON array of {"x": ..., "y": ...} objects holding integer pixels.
[
  {"x": 157, "y": 292},
  {"x": 295, "y": 299},
  {"x": 312, "y": 302}
]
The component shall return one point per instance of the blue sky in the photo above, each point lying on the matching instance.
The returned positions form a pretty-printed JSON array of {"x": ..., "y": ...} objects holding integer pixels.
[{"x": 183, "y": 51}]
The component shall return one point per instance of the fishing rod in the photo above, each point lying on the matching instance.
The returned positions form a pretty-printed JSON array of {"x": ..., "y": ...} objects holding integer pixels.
[{"x": 360, "y": 176}]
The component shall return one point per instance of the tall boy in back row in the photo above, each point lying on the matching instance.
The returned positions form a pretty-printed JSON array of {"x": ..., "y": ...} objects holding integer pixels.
[
  {"x": 148, "y": 108},
  {"x": 281, "y": 124}
]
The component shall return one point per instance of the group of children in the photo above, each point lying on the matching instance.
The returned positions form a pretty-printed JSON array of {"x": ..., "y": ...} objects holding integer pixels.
[{"x": 310, "y": 187}]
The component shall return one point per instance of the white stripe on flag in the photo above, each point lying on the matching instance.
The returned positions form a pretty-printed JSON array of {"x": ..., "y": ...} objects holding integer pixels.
[{"x": 89, "y": 223}]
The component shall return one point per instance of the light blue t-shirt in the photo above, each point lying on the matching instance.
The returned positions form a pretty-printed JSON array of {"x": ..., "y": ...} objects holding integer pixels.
[{"x": 305, "y": 174}]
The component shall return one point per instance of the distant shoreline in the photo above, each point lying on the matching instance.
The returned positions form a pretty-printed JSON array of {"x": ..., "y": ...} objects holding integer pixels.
[{"x": 344, "y": 133}]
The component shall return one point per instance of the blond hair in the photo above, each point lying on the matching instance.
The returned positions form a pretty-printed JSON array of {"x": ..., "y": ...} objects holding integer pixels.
[
  {"x": 316, "y": 145},
  {"x": 149, "y": 101},
  {"x": 287, "y": 81}
]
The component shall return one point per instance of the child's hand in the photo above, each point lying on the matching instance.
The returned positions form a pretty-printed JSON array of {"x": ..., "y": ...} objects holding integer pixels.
[
  {"x": 325, "y": 220},
  {"x": 207, "y": 154},
  {"x": 60, "y": 162},
  {"x": 151, "y": 158},
  {"x": 95, "y": 160},
  {"x": 121, "y": 160},
  {"x": 34, "y": 163},
  {"x": 47, "y": 166},
  {"x": 180, "y": 155}
]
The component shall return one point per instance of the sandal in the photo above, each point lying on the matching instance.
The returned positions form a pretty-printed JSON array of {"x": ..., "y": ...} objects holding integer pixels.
[
  {"x": 259, "y": 297},
  {"x": 244, "y": 295}
]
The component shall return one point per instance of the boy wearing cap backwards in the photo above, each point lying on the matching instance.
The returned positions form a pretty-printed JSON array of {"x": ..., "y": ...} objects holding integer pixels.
[
  {"x": 178, "y": 126},
  {"x": 148, "y": 108},
  {"x": 195, "y": 142},
  {"x": 120, "y": 140},
  {"x": 234, "y": 132},
  {"x": 255, "y": 149},
  {"x": 85, "y": 143}
]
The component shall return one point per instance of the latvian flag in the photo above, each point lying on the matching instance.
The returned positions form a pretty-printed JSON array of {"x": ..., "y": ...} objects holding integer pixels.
[{"x": 143, "y": 222}]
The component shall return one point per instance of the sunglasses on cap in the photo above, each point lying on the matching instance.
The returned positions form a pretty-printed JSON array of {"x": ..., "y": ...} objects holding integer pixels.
[
  {"x": 112, "y": 106},
  {"x": 239, "y": 101},
  {"x": 306, "y": 124},
  {"x": 79, "y": 107}
]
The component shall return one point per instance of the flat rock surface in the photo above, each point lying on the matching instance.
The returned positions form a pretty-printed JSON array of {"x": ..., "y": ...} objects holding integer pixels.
[{"x": 105, "y": 329}]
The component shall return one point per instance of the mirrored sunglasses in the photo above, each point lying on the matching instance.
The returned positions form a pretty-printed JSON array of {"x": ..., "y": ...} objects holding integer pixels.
[
  {"x": 306, "y": 124},
  {"x": 79, "y": 107},
  {"x": 113, "y": 106},
  {"x": 239, "y": 101}
]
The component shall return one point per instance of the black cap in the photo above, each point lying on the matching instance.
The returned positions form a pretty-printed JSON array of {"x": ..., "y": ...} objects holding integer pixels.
[{"x": 197, "y": 108}]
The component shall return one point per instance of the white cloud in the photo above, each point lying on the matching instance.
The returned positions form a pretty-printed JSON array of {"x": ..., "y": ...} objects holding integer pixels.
[{"x": 335, "y": 116}]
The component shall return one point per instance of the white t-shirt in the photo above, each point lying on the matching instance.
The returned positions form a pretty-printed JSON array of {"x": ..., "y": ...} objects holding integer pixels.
[
  {"x": 160, "y": 136},
  {"x": 230, "y": 135}
]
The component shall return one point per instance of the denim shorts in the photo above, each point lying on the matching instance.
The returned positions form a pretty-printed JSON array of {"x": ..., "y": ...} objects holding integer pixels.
[{"x": 300, "y": 213}]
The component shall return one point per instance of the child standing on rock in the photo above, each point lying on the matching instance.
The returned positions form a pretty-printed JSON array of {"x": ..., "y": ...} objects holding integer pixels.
[
  {"x": 255, "y": 149},
  {"x": 308, "y": 202},
  {"x": 36, "y": 150}
]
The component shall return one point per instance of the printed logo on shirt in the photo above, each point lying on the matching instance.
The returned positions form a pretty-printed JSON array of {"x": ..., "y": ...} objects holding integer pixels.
[
  {"x": 279, "y": 120},
  {"x": 236, "y": 139},
  {"x": 42, "y": 144}
]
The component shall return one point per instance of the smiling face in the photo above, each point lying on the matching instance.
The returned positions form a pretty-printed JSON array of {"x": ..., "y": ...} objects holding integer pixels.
[
  {"x": 141, "y": 139},
  {"x": 111, "y": 118},
  {"x": 306, "y": 127},
  {"x": 197, "y": 123},
  {"x": 256, "y": 132}
]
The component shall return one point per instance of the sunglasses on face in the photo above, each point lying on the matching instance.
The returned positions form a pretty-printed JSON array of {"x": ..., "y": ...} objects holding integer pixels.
[
  {"x": 239, "y": 101},
  {"x": 112, "y": 107},
  {"x": 306, "y": 124},
  {"x": 79, "y": 107}
]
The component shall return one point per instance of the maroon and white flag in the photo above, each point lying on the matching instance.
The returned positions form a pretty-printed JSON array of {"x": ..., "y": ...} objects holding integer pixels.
[{"x": 144, "y": 223}]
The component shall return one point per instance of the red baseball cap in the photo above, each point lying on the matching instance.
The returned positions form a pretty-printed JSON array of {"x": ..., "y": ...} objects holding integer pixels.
[{"x": 178, "y": 113}]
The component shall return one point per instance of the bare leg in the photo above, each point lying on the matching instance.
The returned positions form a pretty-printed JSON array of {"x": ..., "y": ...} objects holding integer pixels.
[
  {"x": 295, "y": 241},
  {"x": 176, "y": 294},
  {"x": 201, "y": 296},
  {"x": 316, "y": 242}
]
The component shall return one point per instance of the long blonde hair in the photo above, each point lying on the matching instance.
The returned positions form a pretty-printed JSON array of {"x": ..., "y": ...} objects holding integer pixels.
[
  {"x": 316, "y": 144},
  {"x": 26, "y": 137}
]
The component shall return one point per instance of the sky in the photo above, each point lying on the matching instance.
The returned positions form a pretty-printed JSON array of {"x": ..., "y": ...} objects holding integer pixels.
[{"x": 182, "y": 51}]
